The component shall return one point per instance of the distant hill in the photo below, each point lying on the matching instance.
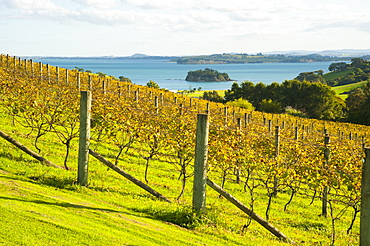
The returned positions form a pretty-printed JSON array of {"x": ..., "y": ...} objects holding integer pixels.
[
  {"x": 338, "y": 53},
  {"x": 138, "y": 55},
  {"x": 258, "y": 58}
]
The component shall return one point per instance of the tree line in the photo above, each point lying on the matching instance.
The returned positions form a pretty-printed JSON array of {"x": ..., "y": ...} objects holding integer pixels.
[
  {"x": 315, "y": 100},
  {"x": 308, "y": 95}
]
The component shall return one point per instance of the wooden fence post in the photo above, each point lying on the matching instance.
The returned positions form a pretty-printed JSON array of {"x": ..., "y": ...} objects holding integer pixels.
[
  {"x": 277, "y": 151},
  {"x": 104, "y": 86},
  {"x": 296, "y": 133},
  {"x": 89, "y": 83},
  {"x": 84, "y": 144},
  {"x": 67, "y": 78},
  {"x": 365, "y": 201},
  {"x": 40, "y": 68},
  {"x": 200, "y": 163},
  {"x": 156, "y": 105},
  {"x": 326, "y": 189},
  {"x": 181, "y": 109},
  {"x": 32, "y": 68},
  {"x": 48, "y": 73},
  {"x": 78, "y": 80},
  {"x": 246, "y": 120},
  {"x": 269, "y": 126},
  {"x": 161, "y": 98},
  {"x": 57, "y": 73},
  {"x": 137, "y": 96},
  {"x": 225, "y": 115}
]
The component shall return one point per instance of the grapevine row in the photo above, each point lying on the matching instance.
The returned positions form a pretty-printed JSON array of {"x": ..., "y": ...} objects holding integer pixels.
[{"x": 157, "y": 124}]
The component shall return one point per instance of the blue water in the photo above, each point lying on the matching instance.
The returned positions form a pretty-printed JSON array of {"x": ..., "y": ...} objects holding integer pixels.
[{"x": 172, "y": 75}]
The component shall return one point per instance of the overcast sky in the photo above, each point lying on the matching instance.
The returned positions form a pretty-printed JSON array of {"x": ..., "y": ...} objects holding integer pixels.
[{"x": 180, "y": 27}]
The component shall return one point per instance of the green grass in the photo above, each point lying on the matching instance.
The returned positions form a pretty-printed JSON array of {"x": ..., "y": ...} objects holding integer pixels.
[
  {"x": 41, "y": 205},
  {"x": 200, "y": 93},
  {"x": 343, "y": 90},
  {"x": 335, "y": 75}
]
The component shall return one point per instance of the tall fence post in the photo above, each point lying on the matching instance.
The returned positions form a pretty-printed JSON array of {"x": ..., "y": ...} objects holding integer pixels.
[
  {"x": 365, "y": 201},
  {"x": 200, "y": 163},
  {"x": 67, "y": 77},
  {"x": 277, "y": 151},
  {"x": 84, "y": 144},
  {"x": 326, "y": 188}
]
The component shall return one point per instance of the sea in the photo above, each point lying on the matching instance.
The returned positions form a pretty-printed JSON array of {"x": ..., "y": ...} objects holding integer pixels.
[{"x": 171, "y": 76}]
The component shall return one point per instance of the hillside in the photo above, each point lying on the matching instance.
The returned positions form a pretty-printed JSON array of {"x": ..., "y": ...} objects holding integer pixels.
[
  {"x": 344, "y": 90},
  {"x": 42, "y": 205},
  {"x": 259, "y": 58},
  {"x": 151, "y": 134}
]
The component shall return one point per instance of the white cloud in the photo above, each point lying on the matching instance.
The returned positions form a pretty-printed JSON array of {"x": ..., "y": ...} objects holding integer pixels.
[
  {"x": 106, "y": 4},
  {"x": 30, "y": 4},
  {"x": 217, "y": 23}
]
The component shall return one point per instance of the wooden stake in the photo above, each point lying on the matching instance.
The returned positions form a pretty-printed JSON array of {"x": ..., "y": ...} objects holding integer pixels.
[
  {"x": 200, "y": 163},
  {"x": 27, "y": 150},
  {"x": 365, "y": 201},
  {"x": 128, "y": 176},
  {"x": 325, "y": 191},
  {"x": 84, "y": 144},
  {"x": 246, "y": 210}
]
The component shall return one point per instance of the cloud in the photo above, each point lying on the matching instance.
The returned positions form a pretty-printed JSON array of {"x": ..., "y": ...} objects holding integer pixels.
[
  {"x": 243, "y": 17},
  {"x": 106, "y": 4},
  {"x": 30, "y": 4}
]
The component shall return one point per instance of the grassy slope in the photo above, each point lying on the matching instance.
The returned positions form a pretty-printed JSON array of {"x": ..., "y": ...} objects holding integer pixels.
[
  {"x": 343, "y": 90},
  {"x": 335, "y": 75},
  {"x": 43, "y": 206}
]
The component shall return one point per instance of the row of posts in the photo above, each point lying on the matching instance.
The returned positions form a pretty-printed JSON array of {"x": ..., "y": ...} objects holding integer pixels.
[
  {"x": 200, "y": 165},
  {"x": 201, "y": 151},
  {"x": 200, "y": 177}
]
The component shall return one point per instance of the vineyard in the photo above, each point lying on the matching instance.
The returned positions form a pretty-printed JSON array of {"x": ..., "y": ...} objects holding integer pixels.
[{"x": 320, "y": 161}]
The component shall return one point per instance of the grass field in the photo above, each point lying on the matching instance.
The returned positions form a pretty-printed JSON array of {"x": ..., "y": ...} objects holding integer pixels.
[
  {"x": 335, "y": 75},
  {"x": 200, "y": 93},
  {"x": 43, "y": 205},
  {"x": 343, "y": 90}
]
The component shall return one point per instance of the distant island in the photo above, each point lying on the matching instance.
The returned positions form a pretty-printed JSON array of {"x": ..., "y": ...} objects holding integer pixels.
[
  {"x": 207, "y": 75},
  {"x": 258, "y": 58}
]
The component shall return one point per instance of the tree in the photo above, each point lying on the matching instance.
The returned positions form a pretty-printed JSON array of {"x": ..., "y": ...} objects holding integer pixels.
[
  {"x": 269, "y": 106},
  {"x": 338, "y": 66},
  {"x": 101, "y": 74},
  {"x": 235, "y": 92},
  {"x": 212, "y": 96},
  {"x": 258, "y": 95},
  {"x": 152, "y": 84},
  {"x": 358, "y": 62},
  {"x": 321, "y": 102},
  {"x": 241, "y": 103},
  {"x": 124, "y": 79},
  {"x": 355, "y": 103},
  {"x": 315, "y": 76},
  {"x": 80, "y": 69}
]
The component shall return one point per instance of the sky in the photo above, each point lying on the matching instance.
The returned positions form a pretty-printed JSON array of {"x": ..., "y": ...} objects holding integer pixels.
[{"x": 180, "y": 27}]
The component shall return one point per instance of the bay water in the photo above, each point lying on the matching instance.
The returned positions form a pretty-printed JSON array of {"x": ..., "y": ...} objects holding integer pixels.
[{"x": 172, "y": 76}]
